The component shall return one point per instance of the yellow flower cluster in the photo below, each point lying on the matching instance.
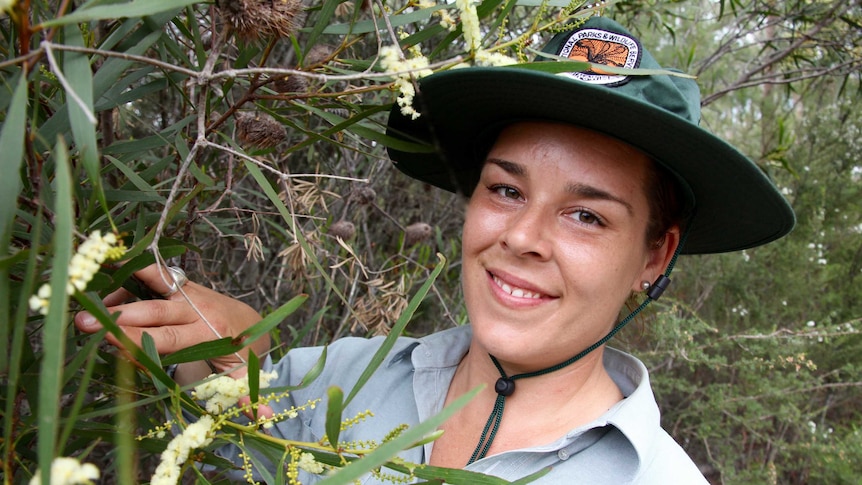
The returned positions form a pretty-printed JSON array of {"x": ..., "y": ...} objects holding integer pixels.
[
  {"x": 488, "y": 58},
  {"x": 69, "y": 471},
  {"x": 83, "y": 266},
  {"x": 470, "y": 23},
  {"x": 7, "y": 5},
  {"x": 196, "y": 435},
  {"x": 223, "y": 392},
  {"x": 300, "y": 460},
  {"x": 390, "y": 60}
]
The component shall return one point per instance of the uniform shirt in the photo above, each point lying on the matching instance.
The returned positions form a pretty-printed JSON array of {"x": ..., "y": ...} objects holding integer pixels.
[{"x": 624, "y": 445}]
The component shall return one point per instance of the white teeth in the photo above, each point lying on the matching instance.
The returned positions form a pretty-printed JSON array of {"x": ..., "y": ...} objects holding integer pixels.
[{"x": 516, "y": 292}]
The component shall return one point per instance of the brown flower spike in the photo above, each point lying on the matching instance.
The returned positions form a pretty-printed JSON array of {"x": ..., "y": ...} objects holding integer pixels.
[
  {"x": 259, "y": 129},
  {"x": 262, "y": 19}
]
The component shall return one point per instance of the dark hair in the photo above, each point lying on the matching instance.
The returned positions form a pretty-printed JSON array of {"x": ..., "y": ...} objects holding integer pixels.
[{"x": 669, "y": 204}]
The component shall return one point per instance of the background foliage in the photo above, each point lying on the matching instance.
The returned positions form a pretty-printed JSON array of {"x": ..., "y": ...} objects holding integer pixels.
[{"x": 754, "y": 355}]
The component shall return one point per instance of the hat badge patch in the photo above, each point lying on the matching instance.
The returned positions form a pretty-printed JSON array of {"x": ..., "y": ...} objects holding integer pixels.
[{"x": 601, "y": 47}]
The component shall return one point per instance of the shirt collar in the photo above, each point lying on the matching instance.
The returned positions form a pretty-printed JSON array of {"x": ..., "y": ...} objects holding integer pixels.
[{"x": 636, "y": 417}]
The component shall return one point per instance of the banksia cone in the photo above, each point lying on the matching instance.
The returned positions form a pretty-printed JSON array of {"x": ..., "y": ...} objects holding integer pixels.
[
  {"x": 363, "y": 195},
  {"x": 257, "y": 19},
  {"x": 260, "y": 130},
  {"x": 290, "y": 84},
  {"x": 415, "y": 233},
  {"x": 317, "y": 55},
  {"x": 343, "y": 229}
]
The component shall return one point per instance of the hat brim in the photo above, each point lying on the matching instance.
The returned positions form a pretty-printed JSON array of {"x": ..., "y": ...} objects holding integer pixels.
[{"x": 736, "y": 205}]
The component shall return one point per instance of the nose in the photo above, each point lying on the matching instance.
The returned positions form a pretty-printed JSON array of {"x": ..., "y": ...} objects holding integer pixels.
[{"x": 528, "y": 233}]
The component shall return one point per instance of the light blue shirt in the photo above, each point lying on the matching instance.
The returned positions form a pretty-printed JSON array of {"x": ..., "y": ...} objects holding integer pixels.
[{"x": 624, "y": 445}]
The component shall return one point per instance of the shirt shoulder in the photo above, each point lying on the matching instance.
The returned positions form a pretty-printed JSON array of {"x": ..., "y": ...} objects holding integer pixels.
[{"x": 669, "y": 464}]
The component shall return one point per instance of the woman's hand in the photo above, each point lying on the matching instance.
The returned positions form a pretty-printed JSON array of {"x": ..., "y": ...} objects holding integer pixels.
[{"x": 174, "y": 324}]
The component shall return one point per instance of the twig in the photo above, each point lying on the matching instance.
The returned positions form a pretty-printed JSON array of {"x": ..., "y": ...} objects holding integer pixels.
[{"x": 68, "y": 87}]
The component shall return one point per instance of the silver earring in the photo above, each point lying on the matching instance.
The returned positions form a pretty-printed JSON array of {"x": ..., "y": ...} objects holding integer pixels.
[{"x": 645, "y": 285}]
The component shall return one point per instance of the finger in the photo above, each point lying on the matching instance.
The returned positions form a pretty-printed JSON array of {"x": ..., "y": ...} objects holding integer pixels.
[
  {"x": 118, "y": 297},
  {"x": 158, "y": 278},
  {"x": 263, "y": 411}
]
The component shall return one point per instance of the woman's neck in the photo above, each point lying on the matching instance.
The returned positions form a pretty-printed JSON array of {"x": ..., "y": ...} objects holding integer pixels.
[{"x": 541, "y": 410}]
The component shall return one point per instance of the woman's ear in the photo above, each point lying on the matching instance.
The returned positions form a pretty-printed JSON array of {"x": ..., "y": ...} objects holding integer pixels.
[{"x": 659, "y": 255}]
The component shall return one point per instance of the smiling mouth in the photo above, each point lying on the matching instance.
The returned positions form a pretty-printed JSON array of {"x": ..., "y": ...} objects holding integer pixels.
[{"x": 515, "y": 291}]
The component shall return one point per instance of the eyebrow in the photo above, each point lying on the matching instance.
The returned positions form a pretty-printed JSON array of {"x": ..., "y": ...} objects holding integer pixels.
[{"x": 579, "y": 189}]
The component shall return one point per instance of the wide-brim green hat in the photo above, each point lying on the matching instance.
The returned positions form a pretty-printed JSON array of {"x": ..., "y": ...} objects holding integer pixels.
[{"x": 736, "y": 206}]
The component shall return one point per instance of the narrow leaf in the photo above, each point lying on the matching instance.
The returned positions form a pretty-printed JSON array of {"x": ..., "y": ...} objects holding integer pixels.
[
  {"x": 334, "y": 410},
  {"x": 12, "y": 147},
  {"x": 54, "y": 329},
  {"x": 397, "y": 329},
  {"x": 386, "y": 451},
  {"x": 272, "y": 320},
  {"x": 253, "y": 381},
  {"x": 564, "y": 64},
  {"x": 326, "y": 12},
  {"x": 202, "y": 351},
  {"x": 135, "y": 8}
]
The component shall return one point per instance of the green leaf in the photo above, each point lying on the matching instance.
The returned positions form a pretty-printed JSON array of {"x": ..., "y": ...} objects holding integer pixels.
[
  {"x": 327, "y": 10},
  {"x": 12, "y": 146},
  {"x": 203, "y": 351},
  {"x": 334, "y": 410},
  {"x": 81, "y": 114},
  {"x": 149, "y": 347},
  {"x": 135, "y": 8},
  {"x": 367, "y": 26},
  {"x": 386, "y": 451},
  {"x": 564, "y": 64},
  {"x": 272, "y": 195},
  {"x": 136, "y": 180},
  {"x": 253, "y": 381},
  {"x": 397, "y": 329},
  {"x": 272, "y": 320},
  {"x": 54, "y": 328},
  {"x": 352, "y": 124},
  {"x": 462, "y": 477}
]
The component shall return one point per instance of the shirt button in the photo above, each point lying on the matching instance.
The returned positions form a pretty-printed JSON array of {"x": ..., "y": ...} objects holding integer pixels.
[{"x": 563, "y": 455}]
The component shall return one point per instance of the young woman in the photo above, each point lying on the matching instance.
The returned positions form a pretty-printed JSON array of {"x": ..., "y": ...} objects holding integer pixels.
[{"x": 583, "y": 188}]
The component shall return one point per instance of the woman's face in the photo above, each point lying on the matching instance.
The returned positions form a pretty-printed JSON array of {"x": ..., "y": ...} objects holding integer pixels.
[{"x": 554, "y": 242}]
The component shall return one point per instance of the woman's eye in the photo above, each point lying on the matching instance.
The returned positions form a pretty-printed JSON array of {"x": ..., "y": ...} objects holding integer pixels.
[
  {"x": 507, "y": 192},
  {"x": 586, "y": 217}
]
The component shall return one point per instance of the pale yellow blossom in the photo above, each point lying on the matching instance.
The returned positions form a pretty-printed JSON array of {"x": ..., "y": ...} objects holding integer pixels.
[
  {"x": 417, "y": 66},
  {"x": 69, "y": 471},
  {"x": 488, "y": 58},
  {"x": 196, "y": 435},
  {"x": 223, "y": 392},
  {"x": 84, "y": 265},
  {"x": 309, "y": 464},
  {"x": 470, "y": 23}
]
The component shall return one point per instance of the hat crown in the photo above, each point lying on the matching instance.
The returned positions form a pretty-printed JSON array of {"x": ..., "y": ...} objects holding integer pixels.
[{"x": 602, "y": 41}]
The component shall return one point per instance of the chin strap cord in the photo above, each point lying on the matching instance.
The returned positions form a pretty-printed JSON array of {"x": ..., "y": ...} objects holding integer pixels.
[{"x": 505, "y": 385}]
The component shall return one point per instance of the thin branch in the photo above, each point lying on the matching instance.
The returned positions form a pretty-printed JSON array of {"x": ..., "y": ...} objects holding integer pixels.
[
  {"x": 70, "y": 91},
  {"x": 781, "y": 55}
]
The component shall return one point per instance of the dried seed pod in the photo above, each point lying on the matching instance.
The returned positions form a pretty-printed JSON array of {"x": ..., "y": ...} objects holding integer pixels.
[
  {"x": 290, "y": 84},
  {"x": 363, "y": 195},
  {"x": 416, "y": 232},
  {"x": 262, "y": 19},
  {"x": 259, "y": 130},
  {"x": 317, "y": 55},
  {"x": 343, "y": 229}
]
